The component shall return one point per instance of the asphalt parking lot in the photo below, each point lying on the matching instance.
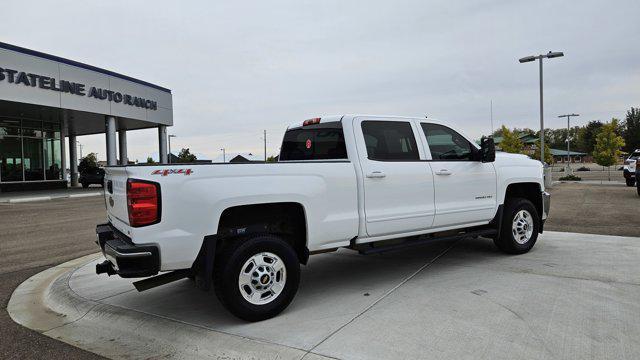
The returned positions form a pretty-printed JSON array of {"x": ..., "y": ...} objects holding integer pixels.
[{"x": 40, "y": 235}]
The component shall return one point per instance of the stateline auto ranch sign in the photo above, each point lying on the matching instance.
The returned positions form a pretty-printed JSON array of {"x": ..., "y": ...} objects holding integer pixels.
[{"x": 49, "y": 83}]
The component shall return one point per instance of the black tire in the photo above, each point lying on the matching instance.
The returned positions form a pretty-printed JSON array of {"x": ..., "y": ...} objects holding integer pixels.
[
  {"x": 638, "y": 189},
  {"x": 85, "y": 185},
  {"x": 229, "y": 265},
  {"x": 507, "y": 242},
  {"x": 631, "y": 182}
]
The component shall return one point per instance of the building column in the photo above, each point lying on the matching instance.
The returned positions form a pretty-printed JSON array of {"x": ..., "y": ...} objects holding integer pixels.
[
  {"x": 122, "y": 147},
  {"x": 63, "y": 153},
  {"x": 162, "y": 144},
  {"x": 110, "y": 126},
  {"x": 73, "y": 159}
]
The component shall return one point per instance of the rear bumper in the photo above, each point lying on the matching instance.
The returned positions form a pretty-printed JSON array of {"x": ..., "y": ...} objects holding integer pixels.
[{"x": 125, "y": 258}]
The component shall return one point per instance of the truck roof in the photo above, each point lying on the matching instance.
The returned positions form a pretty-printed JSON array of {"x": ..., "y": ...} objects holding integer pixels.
[{"x": 331, "y": 118}]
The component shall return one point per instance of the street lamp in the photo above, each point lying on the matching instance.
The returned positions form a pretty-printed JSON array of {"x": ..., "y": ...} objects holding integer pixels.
[
  {"x": 223, "y": 156},
  {"x": 169, "y": 138},
  {"x": 548, "y": 55},
  {"x": 80, "y": 146},
  {"x": 568, "y": 116}
]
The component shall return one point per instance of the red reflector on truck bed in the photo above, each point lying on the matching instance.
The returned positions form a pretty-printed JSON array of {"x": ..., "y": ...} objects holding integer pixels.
[{"x": 143, "y": 202}]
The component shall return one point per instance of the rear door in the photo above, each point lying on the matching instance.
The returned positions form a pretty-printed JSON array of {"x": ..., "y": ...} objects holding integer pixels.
[
  {"x": 465, "y": 188},
  {"x": 398, "y": 183}
]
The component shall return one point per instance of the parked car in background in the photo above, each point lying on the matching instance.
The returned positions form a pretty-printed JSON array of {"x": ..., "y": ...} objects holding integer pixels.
[
  {"x": 361, "y": 182},
  {"x": 629, "y": 168},
  {"x": 92, "y": 176}
]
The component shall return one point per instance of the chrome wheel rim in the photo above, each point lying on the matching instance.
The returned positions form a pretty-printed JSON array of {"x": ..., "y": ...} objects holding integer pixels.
[
  {"x": 262, "y": 278},
  {"x": 522, "y": 227}
]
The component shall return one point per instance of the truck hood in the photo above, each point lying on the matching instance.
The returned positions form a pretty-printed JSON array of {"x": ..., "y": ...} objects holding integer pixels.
[{"x": 504, "y": 158}]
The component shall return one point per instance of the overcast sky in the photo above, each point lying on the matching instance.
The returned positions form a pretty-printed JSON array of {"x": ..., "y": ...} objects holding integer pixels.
[{"x": 238, "y": 67}]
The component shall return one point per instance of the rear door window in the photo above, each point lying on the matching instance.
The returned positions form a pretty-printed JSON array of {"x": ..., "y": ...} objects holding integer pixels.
[
  {"x": 390, "y": 141},
  {"x": 314, "y": 142}
]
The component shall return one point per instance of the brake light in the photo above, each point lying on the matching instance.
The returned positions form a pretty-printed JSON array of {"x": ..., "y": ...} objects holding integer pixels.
[
  {"x": 311, "y": 122},
  {"x": 143, "y": 202}
]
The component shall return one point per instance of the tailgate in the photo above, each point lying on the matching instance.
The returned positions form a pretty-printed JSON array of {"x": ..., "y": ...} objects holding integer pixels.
[{"x": 115, "y": 193}]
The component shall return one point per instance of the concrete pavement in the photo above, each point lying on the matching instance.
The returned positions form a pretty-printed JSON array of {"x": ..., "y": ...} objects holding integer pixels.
[{"x": 572, "y": 296}]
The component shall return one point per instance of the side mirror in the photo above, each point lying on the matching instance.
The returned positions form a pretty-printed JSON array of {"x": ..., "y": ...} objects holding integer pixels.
[{"x": 487, "y": 150}]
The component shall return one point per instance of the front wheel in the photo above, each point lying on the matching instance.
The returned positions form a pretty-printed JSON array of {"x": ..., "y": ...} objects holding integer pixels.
[
  {"x": 520, "y": 227},
  {"x": 256, "y": 278},
  {"x": 631, "y": 182}
]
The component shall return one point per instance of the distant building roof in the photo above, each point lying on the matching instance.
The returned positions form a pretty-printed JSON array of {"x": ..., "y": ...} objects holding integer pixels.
[
  {"x": 557, "y": 152},
  {"x": 238, "y": 157},
  {"x": 526, "y": 138}
]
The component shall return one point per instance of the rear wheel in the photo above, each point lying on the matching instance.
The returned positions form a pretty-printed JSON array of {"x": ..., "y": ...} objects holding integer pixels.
[
  {"x": 631, "y": 182},
  {"x": 256, "y": 278},
  {"x": 85, "y": 185},
  {"x": 520, "y": 226},
  {"x": 638, "y": 189}
]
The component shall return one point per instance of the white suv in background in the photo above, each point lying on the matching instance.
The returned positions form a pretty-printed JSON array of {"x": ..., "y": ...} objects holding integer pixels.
[{"x": 629, "y": 168}]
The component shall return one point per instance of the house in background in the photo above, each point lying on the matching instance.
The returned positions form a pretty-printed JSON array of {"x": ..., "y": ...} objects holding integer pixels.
[
  {"x": 238, "y": 158},
  {"x": 559, "y": 156}
]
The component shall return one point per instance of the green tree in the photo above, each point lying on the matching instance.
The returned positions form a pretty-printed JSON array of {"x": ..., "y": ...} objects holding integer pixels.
[
  {"x": 548, "y": 158},
  {"x": 608, "y": 145},
  {"x": 510, "y": 141},
  {"x": 632, "y": 130},
  {"x": 271, "y": 159},
  {"x": 185, "y": 156},
  {"x": 587, "y": 136},
  {"x": 150, "y": 160},
  {"x": 88, "y": 163}
]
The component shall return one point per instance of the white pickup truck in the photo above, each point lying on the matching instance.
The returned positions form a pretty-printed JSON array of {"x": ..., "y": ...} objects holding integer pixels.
[{"x": 366, "y": 183}]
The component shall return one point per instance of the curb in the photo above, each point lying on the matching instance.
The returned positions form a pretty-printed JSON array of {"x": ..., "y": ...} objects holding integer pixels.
[
  {"x": 45, "y": 303},
  {"x": 45, "y": 198}
]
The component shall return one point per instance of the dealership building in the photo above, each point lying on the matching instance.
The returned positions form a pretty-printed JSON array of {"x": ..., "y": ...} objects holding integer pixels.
[{"x": 47, "y": 101}]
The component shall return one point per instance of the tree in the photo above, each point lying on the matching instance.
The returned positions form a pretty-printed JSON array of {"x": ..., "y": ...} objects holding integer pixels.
[
  {"x": 272, "y": 159},
  {"x": 88, "y": 163},
  {"x": 548, "y": 158},
  {"x": 150, "y": 160},
  {"x": 632, "y": 130},
  {"x": 608, "y": 145},
  {"x": 587, "y": 136},
  {"x": 510, "y": 141},
  {"x": 185, "y": 156}
]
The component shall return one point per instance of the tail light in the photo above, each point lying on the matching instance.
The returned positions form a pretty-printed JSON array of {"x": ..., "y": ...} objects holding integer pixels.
[
  {"x": 311, "y": 122},
  {"x": 143, "y": 202}
]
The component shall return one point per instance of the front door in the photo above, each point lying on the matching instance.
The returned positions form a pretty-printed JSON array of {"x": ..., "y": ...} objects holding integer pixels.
[
  {"x": 397, "y": 181},
  {"x": 465, "y": 188}
]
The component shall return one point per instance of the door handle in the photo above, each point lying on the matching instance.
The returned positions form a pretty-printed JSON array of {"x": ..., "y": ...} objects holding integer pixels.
[
  {"x": 443, "y": 172},
  {"x": 376, "y": 175}
]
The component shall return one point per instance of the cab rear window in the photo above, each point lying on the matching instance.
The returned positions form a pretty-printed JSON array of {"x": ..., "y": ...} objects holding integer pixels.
[{"x": 314, "y": 142}]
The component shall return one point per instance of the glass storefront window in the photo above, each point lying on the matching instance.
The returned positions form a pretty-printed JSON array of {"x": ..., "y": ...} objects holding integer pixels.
[
  {"x": 33, "y": 159},
  {"x": 10, "y": 158},
  {"x": 53, "y": 159},
  {"x": 30, "y": 150}
]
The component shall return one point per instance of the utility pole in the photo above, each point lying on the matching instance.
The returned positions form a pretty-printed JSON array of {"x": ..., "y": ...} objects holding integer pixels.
[
  {"x": 568, "y": 116},
  {"x": 491, "y": 118},
  {"x": 265, "y": 145},
  {"x": 169, "y": 138},
  {"x": 80, "y": 146},
  {"x": 224, "y": 160}
]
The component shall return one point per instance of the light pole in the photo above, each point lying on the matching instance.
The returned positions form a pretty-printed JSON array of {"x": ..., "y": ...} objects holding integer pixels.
[
  {"x": 169, "y": 139},
  {"x": 548, "y": 55},
  {"x": 224, "y": 160},
  {"x": 568, "y": 116},
  {"x": 80, "y": 146}
]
